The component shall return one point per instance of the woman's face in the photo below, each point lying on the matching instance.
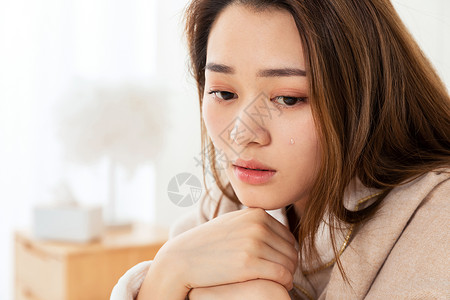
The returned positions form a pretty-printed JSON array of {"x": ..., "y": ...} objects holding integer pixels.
[{"x": 256, "y": 107}]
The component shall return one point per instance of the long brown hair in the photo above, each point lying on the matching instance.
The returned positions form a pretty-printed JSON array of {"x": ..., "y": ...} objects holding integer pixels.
[{"x": 383, "y": 114}]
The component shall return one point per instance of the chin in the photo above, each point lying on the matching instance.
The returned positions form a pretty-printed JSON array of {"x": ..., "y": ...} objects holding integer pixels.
[
  {"x": 267, "y": 197},
  {"x": 259, "y": 200}
]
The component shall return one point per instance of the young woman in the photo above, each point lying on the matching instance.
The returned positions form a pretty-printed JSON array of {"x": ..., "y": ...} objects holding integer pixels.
[{"x": 334, "y": 177}]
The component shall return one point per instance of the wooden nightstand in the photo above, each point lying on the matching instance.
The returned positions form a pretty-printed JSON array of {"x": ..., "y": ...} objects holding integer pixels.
[{"x": 65, "y": 271}]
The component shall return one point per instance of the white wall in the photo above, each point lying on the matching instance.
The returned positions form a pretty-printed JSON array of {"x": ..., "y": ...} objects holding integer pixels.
[
  {"x": 46, "y": 45},
  {"x": 183, "y": 142},
  {"x": 429, "y": 22}
]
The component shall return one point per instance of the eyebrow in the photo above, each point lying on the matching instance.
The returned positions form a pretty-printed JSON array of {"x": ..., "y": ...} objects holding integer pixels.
[{"x": 280, "y": 72}]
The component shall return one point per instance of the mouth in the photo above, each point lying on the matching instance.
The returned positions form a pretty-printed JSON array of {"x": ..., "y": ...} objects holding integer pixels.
[
  {"x": 254, "y": 169},
  {"x": 253, "y": 172},
  {"x": 252, "y": 164}
]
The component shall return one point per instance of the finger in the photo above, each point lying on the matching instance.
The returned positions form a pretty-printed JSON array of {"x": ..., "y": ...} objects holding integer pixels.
[
  {"x": 260, "y": 214},
  {"x": 280, "y": 229},
  {"x": 280, "y": 245},
  {"x": 266, "y": 269},
  {"x": 268, "y": 253},
  {"x": 263, "y": 233}
]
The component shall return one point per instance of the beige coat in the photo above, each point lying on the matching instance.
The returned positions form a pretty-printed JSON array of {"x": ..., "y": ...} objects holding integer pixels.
[{"x": 401, "y": 253}]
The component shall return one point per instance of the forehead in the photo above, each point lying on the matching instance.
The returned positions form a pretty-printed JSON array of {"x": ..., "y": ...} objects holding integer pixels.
[{"x": 242, "y": 36}]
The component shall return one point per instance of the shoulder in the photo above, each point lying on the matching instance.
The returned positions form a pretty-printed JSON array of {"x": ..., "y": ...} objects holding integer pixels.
[
  {"x": 402, "y": 249},
  {"x": 431, "y": 213},
  {"x": 426, "y": 192},
  {"x": 417, "y": 264},
  {"x": 437, "y": 199},
  {"x": 420, "y": 199},
  {"x": 425, "y": 186},
  {"x": 429, "y": 183}
]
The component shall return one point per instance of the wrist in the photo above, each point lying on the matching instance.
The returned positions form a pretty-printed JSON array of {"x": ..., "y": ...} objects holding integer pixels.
[{"x": 164, "y": 279}]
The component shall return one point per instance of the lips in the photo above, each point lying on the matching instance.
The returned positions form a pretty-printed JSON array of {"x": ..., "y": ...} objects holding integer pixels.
[
  {"x": 252, "y": 164},
  {"x": 253, "y": 172}
]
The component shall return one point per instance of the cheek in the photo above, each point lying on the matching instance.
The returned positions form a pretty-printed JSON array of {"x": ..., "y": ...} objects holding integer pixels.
[
  {"x": 305, "y": 150},
  {"x": 215, "y": 120}
]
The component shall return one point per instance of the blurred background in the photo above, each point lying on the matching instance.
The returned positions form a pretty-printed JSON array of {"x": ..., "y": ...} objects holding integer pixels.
[{"x": 96, "y": 103}]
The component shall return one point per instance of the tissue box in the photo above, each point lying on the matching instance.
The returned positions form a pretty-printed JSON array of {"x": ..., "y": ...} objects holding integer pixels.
[{"x": 68, "y": 223}]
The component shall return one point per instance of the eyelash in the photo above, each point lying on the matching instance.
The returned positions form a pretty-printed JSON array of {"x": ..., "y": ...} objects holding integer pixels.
[{"x": 299, "y": 99}]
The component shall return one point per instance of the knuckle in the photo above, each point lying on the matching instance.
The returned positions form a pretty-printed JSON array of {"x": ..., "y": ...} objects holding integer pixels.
[
  {"x": 259, "y": 229},
  {"x": 289, "y": 279},
  {"x": 295, "y": 265},
  {"x": 247, "y": 260},
  {"x": 294, "y": 255},
  {"x": 283, "y": 275},
  {"x": 259, "y": 212},
  {"x": 292, "y": 266},
  {"x": 251, "y": 245}
]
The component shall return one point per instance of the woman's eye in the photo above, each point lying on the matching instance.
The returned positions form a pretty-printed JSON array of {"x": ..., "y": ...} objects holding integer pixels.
[
  {"x": 223, "y": 95},
  {"x": 288, "y": 101}
]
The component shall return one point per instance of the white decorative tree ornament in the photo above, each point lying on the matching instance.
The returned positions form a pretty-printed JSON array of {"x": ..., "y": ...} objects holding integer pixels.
[{"x": 124, "y": 123}]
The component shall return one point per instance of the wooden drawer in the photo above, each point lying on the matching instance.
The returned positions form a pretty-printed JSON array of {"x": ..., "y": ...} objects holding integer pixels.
[
  {"x": 22, "y": 293},
  {"x": 39, "y": 273},
  {"x": 63, "y": 271}
]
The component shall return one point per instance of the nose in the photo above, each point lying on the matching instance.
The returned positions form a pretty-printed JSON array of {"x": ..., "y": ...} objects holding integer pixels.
[{"x": 250, "y": 126}]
